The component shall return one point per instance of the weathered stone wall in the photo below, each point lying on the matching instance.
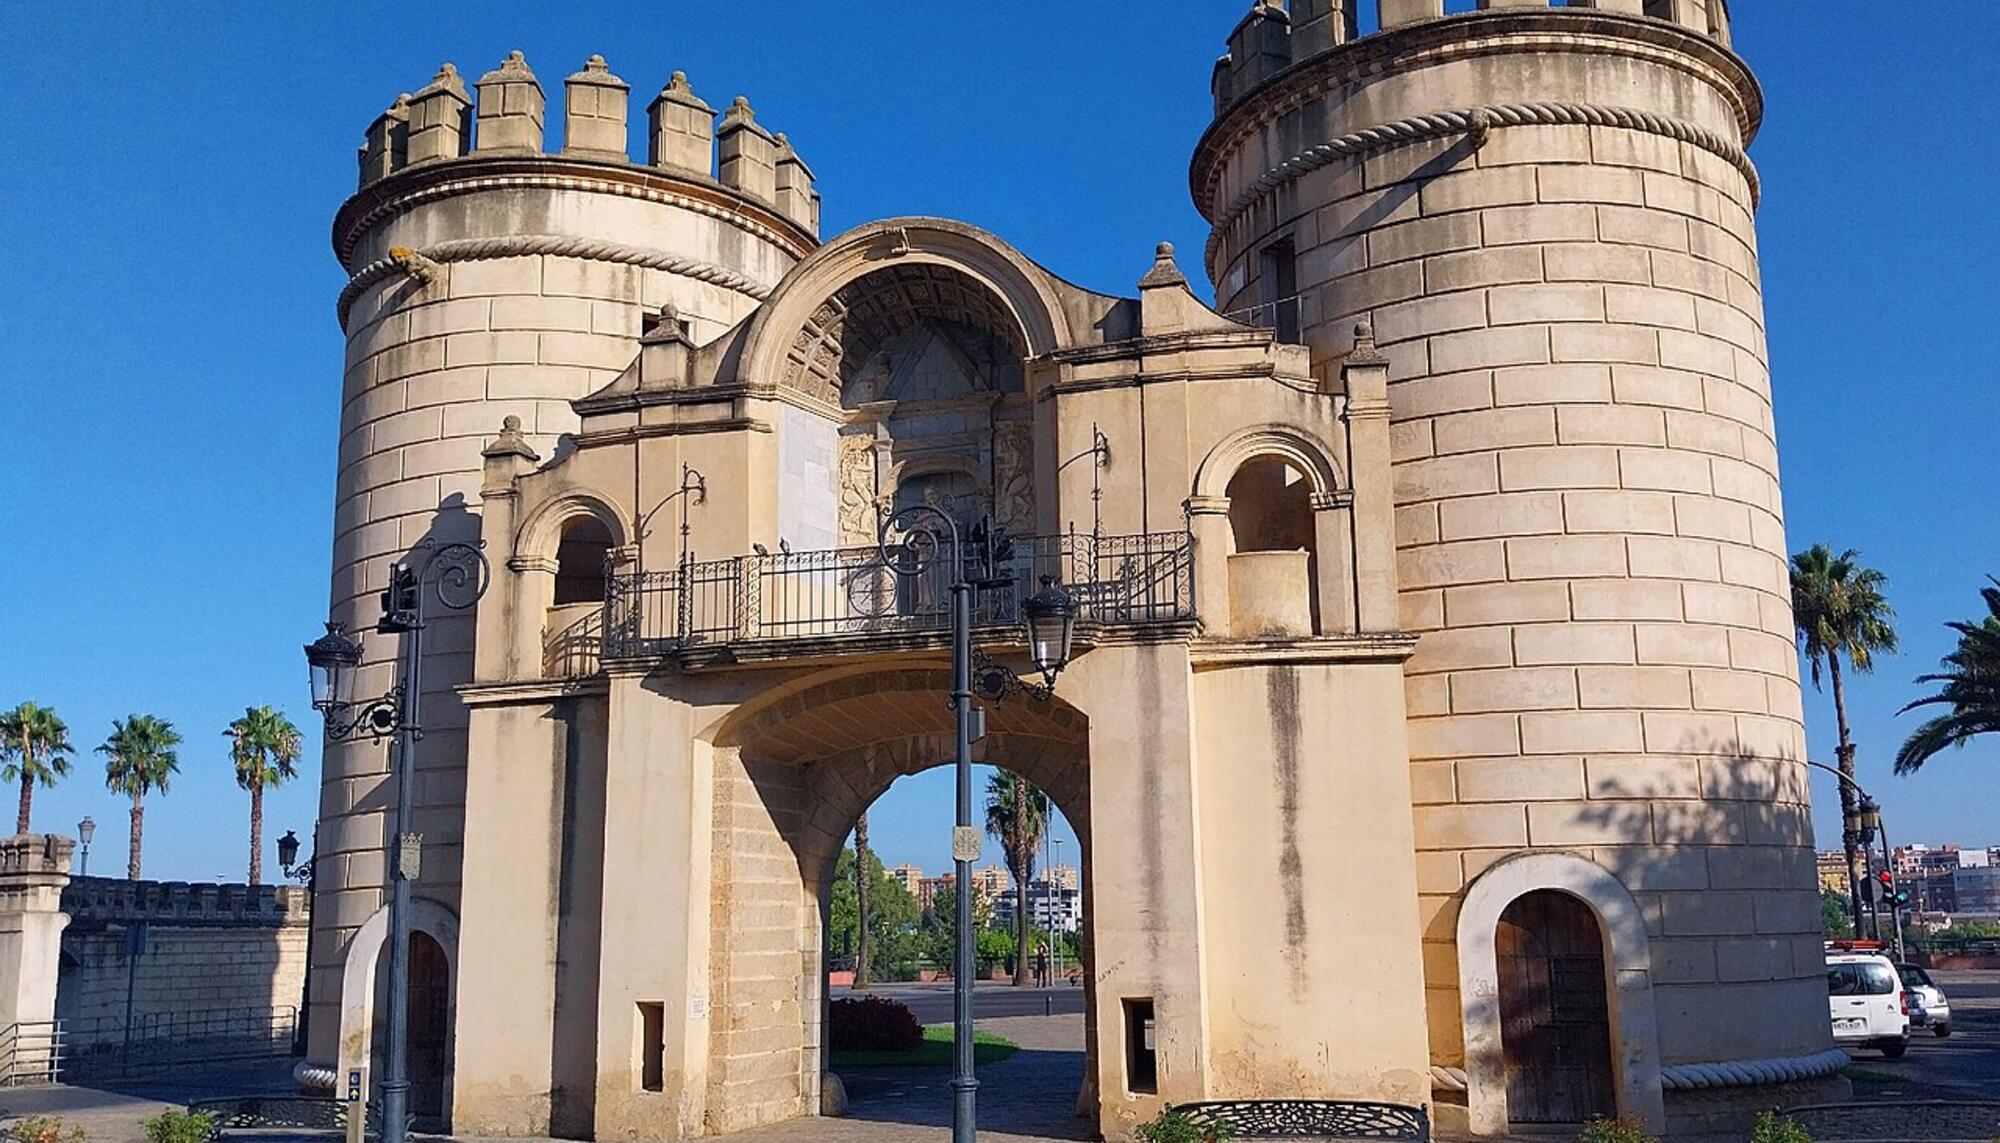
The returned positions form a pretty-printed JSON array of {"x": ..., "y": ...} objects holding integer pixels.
[
  {"x": 222, "y": 960},
  {"x": 1589, "y": 528}
]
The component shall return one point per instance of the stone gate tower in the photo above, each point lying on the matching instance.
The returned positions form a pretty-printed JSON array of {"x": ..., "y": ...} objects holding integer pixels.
[
  {"x": 1545, "y": 213},
  {"x": 492, "y": 279}
]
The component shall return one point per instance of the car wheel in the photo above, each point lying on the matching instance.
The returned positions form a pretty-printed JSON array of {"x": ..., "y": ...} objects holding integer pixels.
[
  {"x": 1942, "y": 1030},
  {"x": 1895, "y": 1049}
]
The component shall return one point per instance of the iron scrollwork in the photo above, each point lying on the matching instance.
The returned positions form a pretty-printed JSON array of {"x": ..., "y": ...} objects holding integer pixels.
[
  {"x": 378, "y": 717},
  {"x": 993, "y": 680},
  {"x": 1313, "y": 1118}
]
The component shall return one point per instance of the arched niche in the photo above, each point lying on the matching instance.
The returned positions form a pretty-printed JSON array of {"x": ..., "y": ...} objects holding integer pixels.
[
  {"x": 1273, "y": 526},
  {"x": 1628, "y": 984}
]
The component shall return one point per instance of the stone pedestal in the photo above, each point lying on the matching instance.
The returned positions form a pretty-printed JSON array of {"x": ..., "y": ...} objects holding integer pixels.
[{"x": 33, "y": 870}]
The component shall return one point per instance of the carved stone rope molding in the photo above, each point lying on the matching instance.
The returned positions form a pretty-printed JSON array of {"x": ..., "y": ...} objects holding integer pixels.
[
  {"x": 314, "y": 1077},
  {"x": 1722, "y": 1073},
  {"x": 1746, "y": 1073},
  {"x": 1477, "y": 121},
  {"x": 517, "y": 245}
]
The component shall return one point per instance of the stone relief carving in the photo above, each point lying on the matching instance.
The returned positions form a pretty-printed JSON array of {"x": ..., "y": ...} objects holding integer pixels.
[
  {"x": 857, "y": 500},
  {"x": 1014, "y": 476}
]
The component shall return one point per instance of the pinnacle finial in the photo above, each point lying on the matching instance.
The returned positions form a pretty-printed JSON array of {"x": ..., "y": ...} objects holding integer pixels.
[
  {"x": 1165, "y": 271},
  {"x": 510, "y": 423}
]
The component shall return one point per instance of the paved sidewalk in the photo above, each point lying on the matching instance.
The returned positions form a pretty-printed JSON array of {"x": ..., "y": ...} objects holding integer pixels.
[{"x": 1029, "y": 1097}]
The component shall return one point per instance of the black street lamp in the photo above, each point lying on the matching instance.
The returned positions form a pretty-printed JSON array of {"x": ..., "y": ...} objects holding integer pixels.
[
  {"x": 926, "y": 534},
  {"x": 1864, "y": 825},
  {"x": 452, "y": 576},
  {"x": 85, "y": 829},
  {"x": 302, "y": 872},
  {"x": 288, "y": 851}
]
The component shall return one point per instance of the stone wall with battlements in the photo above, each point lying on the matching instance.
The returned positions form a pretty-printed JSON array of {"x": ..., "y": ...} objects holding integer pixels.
[
  {"x": 189, "y": 961},
  {"x": 491, "y": 277}
]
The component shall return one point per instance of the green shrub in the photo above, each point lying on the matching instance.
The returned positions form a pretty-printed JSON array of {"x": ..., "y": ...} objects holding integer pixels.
[
  {"x": 1774, "y": 1128},
  {"x": 175, "y": 1126},
  {"x": 1625, "y": 1129},
  {"x": 1176, "y": 1127},
  {"x": 45, "y": 1129}
]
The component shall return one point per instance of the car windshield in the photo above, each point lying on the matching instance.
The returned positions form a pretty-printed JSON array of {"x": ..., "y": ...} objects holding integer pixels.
[
  {"x": 1914, "y": 977},
  {"x": 1862, "y": 979}
]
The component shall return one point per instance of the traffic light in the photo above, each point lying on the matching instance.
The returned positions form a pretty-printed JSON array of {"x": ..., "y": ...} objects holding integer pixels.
[
  {"x": 399, "y": 600},
  {"x": 1893, "y": 897}
]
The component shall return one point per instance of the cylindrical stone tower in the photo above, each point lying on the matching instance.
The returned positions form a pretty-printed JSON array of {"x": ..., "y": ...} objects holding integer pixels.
[
  {"x": 493, "y": 280},
  {"x": 1546, "y": 215}
]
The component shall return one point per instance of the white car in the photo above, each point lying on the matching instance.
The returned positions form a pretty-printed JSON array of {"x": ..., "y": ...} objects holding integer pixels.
[
  {"x": 1935, "y": 1008},
  {"x": 1869, "y": 1005}
]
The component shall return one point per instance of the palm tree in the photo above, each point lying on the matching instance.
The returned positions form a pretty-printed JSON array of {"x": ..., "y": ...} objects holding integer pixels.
[
  {"x": 1016, "y": 815},
  {"x": 1971, "y": 689},
  {"x": 1839, "y": 609},
  {"x": 36, "y": 745},
  {"x": 266, "y": 753},
  {"x": 138, "y": 758},
  {"x": 862, "y": 875}
]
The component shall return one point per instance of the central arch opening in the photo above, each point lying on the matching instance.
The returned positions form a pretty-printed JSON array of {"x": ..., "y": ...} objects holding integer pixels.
[
  {"x": 888, "y": 1019},
  {"x": 794, "y": 778}
]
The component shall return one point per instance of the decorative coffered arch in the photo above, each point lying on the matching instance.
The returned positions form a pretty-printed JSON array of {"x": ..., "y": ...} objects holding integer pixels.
[{"x": 929, "y": 267}]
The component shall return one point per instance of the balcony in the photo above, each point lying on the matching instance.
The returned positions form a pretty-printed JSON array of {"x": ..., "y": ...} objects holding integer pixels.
[{"x": 771, "y": 605}]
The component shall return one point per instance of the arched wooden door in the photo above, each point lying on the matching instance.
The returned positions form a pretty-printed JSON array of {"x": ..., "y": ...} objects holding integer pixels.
[
  {"x": 1555, "y": 1023},
  {"x": 430, "y": 1032}
]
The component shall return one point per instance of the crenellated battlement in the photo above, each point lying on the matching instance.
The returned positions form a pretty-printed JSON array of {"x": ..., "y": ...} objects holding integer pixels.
[
  {"x": 1274, "y": 35},
  {"x": 505, "y": 114}
]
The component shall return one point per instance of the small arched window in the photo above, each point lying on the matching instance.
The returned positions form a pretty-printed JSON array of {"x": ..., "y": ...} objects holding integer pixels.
[
  {"x": 1270, "y": 507},
  {"x": 581, "y": 559}
]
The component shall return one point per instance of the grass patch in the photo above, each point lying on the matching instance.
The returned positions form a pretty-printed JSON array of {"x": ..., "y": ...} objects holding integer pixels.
[
  {"x": 1869, "y": 1075},
  {"x": 987, "y": 1048}
]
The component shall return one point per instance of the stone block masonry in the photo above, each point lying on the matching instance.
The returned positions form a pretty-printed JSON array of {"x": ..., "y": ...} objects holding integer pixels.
[
  {"x": 1589, "y": 530},
  {"x": 492, "y": 279},
  {"x": 188, "y": 961}
]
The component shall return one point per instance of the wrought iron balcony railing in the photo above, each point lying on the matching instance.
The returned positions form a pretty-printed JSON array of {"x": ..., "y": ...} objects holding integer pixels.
[{"x": 1115, "y": 580}]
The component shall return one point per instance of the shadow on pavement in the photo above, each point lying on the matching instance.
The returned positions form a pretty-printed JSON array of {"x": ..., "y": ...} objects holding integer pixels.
[{"x": 1032, "y": 1092}]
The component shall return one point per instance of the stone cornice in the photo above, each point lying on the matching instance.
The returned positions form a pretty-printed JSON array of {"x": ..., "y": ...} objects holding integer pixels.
[
  {"x": 478, "y": 694},
  {"x": 1462, "y": 36},
  {"x": 1391, "y": 647},
  {"x": 470, "y": 174}
]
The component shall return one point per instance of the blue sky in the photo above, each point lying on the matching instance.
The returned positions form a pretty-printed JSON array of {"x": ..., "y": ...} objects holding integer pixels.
[{"x": 172, "y": 359}]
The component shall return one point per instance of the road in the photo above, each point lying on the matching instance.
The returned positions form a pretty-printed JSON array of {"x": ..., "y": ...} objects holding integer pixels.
[
  {"x": 991, "y": 1000},
  {"x": 1966, "y": 1065}
]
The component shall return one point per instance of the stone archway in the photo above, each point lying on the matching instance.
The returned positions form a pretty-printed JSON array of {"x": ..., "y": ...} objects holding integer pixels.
[
  {"x": 1635, "y": 1054},
  {"x": 792, "y": 775},
  {"x": 430, "y": 920}
]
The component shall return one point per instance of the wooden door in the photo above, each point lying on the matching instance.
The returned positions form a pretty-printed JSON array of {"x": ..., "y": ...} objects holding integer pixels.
[
  {"x": 430, "y": 1032},
  {"x": 1555, "y": 1024}
]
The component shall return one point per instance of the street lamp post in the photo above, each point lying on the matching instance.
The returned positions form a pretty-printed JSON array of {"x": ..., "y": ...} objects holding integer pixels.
[
  {"x": 302, "y": 872},
  {"x": 453, "y": 575},
  {"x": 1056, "y": 902},
  {"x": 84, "y": 831},
  {"x": 923, "y": 536},
  {"x": 1865, "y": 823}
]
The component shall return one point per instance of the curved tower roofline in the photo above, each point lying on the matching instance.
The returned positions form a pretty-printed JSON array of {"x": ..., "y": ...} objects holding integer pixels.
[
  {"x": 474, "y": 173},
  {"x": 1247, "y": 98},
  {"x": 446, "y": 139}
]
